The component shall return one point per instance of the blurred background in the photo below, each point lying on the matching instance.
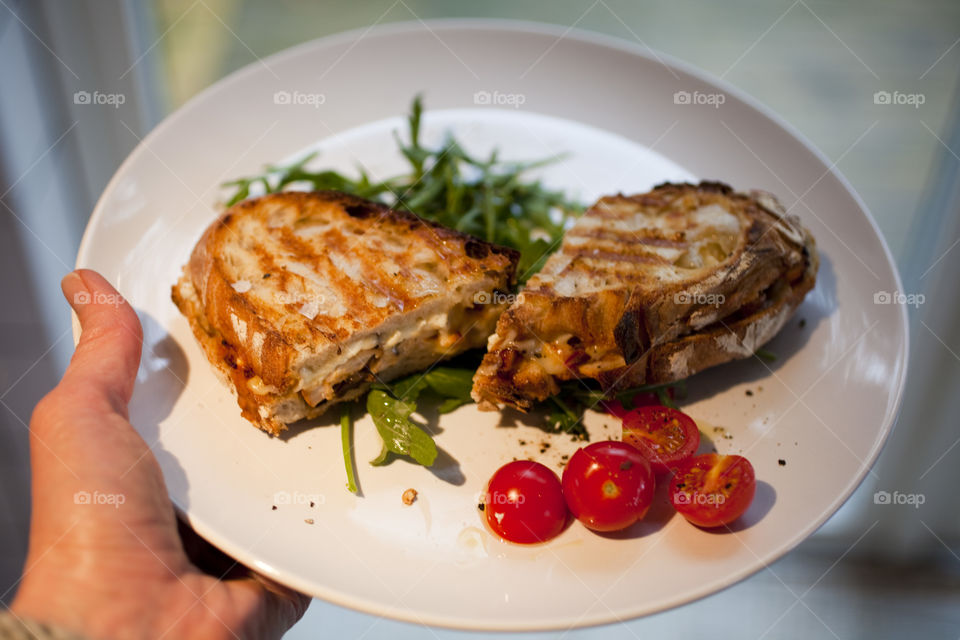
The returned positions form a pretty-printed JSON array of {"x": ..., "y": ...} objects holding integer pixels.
[{"x": 874, "y": 570}]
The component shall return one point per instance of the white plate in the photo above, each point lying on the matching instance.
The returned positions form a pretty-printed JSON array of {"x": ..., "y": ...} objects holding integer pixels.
[{"x": 825, "y": 406}]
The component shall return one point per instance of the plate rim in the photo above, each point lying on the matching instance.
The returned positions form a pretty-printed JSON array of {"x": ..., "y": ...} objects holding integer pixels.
[{"x": 520, "y": 27}]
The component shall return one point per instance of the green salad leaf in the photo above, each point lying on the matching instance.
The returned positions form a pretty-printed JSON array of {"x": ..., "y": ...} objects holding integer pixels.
[
  {"x": 566, "y": 409},
  {"x": 345, "y": 440},
  {"x": 563, "y": 419},
  {"x": 391, "y": 416},
  {"x": 486, "y": 197},
  {"x": 591, "y": 397},
  {"x": 452, "y": 384},
  {"x": 765, "y": 355},
  {"x": 391, "y": 405}
]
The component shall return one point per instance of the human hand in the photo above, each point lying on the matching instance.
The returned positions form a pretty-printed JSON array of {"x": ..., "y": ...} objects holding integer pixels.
[{"x": 113, "y": 565}]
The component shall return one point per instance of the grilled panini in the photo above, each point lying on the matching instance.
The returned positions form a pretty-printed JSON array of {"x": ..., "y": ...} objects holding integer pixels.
[
  {"x": 302, "y": 299},
  {"x": 651, "y": 288}
]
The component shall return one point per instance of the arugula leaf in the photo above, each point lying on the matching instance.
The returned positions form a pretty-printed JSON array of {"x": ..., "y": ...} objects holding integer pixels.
[
  {"x": 450, "y": 404},
  {"x": 591, "y": 397},
  {"x": 766, "y": 355},
  {"x": 390, "y": 407},
  {"x": 409, "y": 388},
  {"x": 450, "y": 382},
  {"x": 665, "y": 398},
  {"x": 345, "y": 429},
  {"x": 568, "y": 406},
  {"x": 488, "y": 198},
  {"x": 564, "y": 419},
  {"x": 400, "y": 436}
]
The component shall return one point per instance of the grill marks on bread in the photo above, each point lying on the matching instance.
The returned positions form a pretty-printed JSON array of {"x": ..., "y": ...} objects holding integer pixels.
[
  {"x": 651, "y": 288},
  {"x": 295, "y": 289}
]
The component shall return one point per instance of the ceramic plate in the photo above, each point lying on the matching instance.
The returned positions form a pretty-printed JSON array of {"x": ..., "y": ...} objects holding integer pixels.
[{"x": 627, "y": 120}]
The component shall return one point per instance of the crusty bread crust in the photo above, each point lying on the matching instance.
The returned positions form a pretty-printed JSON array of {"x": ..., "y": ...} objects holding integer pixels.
[
  {"x": 653, "y": 322},
  {"x": 257, "y": 335}
]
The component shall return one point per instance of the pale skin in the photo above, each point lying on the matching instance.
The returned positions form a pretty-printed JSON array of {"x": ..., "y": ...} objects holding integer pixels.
[{"x": 120, "y": 571}]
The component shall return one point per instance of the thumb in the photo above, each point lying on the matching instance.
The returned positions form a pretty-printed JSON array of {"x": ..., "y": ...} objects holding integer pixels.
[
  {"x": 80, "y": 439},
  {"x": 104, "y": 365},
  {"x": 80, "y": 428}
]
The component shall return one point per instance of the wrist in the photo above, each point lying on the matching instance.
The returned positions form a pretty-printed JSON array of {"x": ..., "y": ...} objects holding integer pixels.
[
  {"x": 96, "y": 611},
  {"x": 13, "y": 625},
  {"x": 85, "y": 609}
]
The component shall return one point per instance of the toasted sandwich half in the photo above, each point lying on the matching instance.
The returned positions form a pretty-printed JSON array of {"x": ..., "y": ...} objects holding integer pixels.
[
  {"x": 303, "y": 299},
  {"x": 651, "y": 288}
]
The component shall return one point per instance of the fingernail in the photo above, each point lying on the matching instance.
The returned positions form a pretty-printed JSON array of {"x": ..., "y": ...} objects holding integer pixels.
[{"x": 75, "y": 289}]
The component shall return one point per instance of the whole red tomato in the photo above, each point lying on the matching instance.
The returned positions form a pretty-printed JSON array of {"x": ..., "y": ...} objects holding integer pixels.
[
  {"x": 608, "y": 485},
  {"x": 524, "y": 502}
]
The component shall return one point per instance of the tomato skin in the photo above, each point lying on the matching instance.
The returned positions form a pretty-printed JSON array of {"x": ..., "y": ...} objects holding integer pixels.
[
  {"x": 615, "y": 408},
  {"x": 666, "y": 437},
  {"x": 608, "y": 485},
  {"x": 524, "y": 503},
  {"x": 713, "y": 490}
]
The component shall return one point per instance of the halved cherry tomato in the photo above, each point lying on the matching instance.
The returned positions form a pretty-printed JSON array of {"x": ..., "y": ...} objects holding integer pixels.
[
  {"x": 643, "y": 399},
  {"x": 524, "y": 502},
  {"x": 608, "y": 485},
  {"x": 713, "y": 490},
  {"x": 666, "y": 437}
]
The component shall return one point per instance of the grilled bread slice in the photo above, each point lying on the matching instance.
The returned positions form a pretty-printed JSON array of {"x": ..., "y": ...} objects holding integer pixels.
[
  {"x": 651, "y": 288},
  {"x": 302, "y": 299}
]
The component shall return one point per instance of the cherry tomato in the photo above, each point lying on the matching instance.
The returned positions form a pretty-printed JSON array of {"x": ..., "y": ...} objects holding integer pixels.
[
  {"x": 643, "y": 399},
  {"x": 608, "y": 485},
  {"x": 524, "y": 502},
  {"x": 713, "y": 490},
  {"x": 666, "y": 437}
]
